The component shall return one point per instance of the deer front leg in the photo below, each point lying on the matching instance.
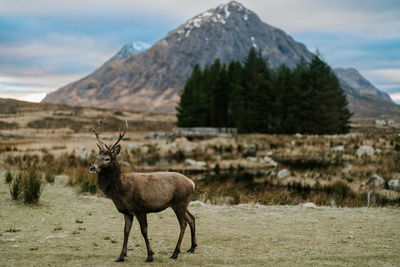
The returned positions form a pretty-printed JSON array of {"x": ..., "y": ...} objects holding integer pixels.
[
  {"x": 127, "y": 229},
  {"x": 143, "y": 227}
]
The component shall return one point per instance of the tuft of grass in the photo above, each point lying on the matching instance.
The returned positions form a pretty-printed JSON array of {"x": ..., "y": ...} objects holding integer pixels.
[
  {"x": 9, "y": 177},
  {"x": 27, "y": 186},
  {"x": 86, "y": 182},
  {"x": 15, "y": 187},
  {"x": 32, "y": 186},
  {"x": 49, "y": 177}
]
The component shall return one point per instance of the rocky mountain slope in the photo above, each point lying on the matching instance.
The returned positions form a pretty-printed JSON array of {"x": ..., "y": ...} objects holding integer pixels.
[
  {"x": 151, "y": 80},
  {"x": 353, "y": 78}
]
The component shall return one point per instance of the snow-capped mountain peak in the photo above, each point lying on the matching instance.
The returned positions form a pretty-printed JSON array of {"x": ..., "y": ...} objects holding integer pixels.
[{"x": 130, "y": 49}]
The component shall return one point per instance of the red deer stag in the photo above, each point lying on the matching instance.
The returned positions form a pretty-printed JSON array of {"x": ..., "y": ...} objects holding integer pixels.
[{"x": 136, "y": 194}]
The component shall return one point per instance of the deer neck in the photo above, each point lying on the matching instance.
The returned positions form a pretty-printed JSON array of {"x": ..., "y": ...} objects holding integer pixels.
[{"x": 109, "y": 181}]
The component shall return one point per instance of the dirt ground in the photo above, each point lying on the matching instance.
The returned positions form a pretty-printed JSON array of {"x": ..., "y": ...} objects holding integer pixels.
[{"x": 71, "y": 229}]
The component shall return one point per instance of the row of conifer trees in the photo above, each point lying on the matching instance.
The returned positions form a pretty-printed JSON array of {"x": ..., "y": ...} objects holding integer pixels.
[{"x": 254, "y": 98}]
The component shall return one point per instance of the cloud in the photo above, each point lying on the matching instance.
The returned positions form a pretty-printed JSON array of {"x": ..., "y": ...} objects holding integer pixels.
[
  {"x": 47, "y": 43},
  {"x": 391, "y": 75},
  {"x": 295, "y": 16},
  {"x": 395, "y": 97}
]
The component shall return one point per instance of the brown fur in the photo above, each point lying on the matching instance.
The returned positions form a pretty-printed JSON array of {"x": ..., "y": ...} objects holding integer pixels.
[{"x": 136, "y": 194}]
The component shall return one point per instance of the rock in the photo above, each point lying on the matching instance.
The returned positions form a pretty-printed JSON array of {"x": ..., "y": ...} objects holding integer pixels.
[
  {"x": 347, "y": 169},
  {"x": 125, "y": 163},
  {"x": 283, "y": 173},
  {"x": 365, "y": 150},
  {"x": 253, "y": 159},
  {"x": 192, "y": 162},
  {"x": 378, "y": 151},
  {"x": 380, "y": 122},
  {"x": 376, "y": 180},
  {"x": 338, "y": 148},
  {"x": 158, "y": 136},
  {"x": 145, "y": 149},
  {"x": 198, "y": 203},
  {"x": 292, "y": 142},
  {"x": 298, "y": 135},
  {"x": 394, "y": 185},
  {"x": 309, "y": 205},
  {"x": 267, "y": 160},
  {"x": 133, "y": 146},
  {"x": 85, "y": 154}
]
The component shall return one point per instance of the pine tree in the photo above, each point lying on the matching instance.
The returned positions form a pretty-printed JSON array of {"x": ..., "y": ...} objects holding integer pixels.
[
  {"x": 192, "y": 108},
  {"x": 256, "y": 83},
  {"x": 283, "y": 105},
  {"x": 221, "y": 94},
  {"x": 236, "y": 105},
  {"x": 253, "y": 98},
  {"x": 327, "y": 103}
]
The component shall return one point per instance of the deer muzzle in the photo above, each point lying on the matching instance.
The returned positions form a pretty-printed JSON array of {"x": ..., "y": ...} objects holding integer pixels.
[{"x": 93, "y": 169}]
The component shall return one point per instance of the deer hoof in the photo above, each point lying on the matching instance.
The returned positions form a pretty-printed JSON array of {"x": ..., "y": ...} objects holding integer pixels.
[
  {"x": 175, "y": 255},
  {"x": 120, "y": 259},
  {"x": 191, "y": 250},
  {"x": 149, "y": 260}
]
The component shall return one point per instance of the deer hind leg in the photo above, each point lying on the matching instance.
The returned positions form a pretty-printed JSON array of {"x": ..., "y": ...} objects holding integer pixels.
[
  {"x": 142, "y": 218},
  {"x": 180, "y": 215},
  {"x": 191, "y": 220},
  {"x": 128, "y": 224}
]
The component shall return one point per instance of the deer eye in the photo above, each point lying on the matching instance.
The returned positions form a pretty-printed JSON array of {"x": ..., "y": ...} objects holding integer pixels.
[{"x": 107, "y": 159}]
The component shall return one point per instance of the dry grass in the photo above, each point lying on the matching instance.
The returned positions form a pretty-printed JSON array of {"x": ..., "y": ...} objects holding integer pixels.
[{"x": 244, "y": 235}]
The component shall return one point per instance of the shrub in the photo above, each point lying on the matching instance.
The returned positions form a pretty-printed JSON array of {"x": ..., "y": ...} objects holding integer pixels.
[
  {"x": 9, "y": 177},
  {"x": 49, "y": 177},
  {"x": 32, "y": 186},
  {"x": 86, "y": 181},
  {"x": 15, "y": 187}
]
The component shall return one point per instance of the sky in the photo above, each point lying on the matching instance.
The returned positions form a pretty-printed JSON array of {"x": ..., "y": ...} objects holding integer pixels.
[{"x": 46, "y": 44}]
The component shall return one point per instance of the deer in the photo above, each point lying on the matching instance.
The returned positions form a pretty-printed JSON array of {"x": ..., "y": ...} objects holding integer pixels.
[{"x": 137, "y": 194}]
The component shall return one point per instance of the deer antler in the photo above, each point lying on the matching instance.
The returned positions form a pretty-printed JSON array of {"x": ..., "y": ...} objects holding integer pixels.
[
  {"x": 121, "y": 135},
  {"x": 100, "y": 144}
]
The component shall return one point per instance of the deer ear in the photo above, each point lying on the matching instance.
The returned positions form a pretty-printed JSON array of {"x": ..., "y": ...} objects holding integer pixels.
[{"x": 116, "y": 150}]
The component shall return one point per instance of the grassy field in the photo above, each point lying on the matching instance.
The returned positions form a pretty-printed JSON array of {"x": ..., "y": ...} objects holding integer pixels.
[{"x": 71, "y": 229}]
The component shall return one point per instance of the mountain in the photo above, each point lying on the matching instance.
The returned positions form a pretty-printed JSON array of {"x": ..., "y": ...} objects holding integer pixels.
[
  {"x": 151, "y": 80},
  {"x": 353, "y": 78},
  {"x": 130, "y": 49}
]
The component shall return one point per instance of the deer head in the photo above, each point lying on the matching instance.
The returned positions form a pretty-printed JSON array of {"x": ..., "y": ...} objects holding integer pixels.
[{"x": 107, "y": 156}]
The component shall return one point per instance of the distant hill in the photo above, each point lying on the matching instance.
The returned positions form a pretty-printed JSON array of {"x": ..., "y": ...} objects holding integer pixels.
[
  {"x": 152, "y": 80},
  {"x": 20, "y": 115}
]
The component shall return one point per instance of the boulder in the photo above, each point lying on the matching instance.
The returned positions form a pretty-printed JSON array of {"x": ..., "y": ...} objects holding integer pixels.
[
  {"x": 298, "y": 135},
  {"x": 133, "y": 146},
  {"x": 338, "y": 148},
  {"x": 365, "y": 150},
  {"x": 394, "y": 185},
  {"x": 85, "y": 154},
  {"x": 309, "y": 205},
  {"x": 125, "y": 163},
  {"x": 267, "y": 160},
  {"x": 197, "y": 203},
  {"x": 192, "y": 162},
  {"x": 283, "y": 173},
  {"x": 376, "y": 181}
]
